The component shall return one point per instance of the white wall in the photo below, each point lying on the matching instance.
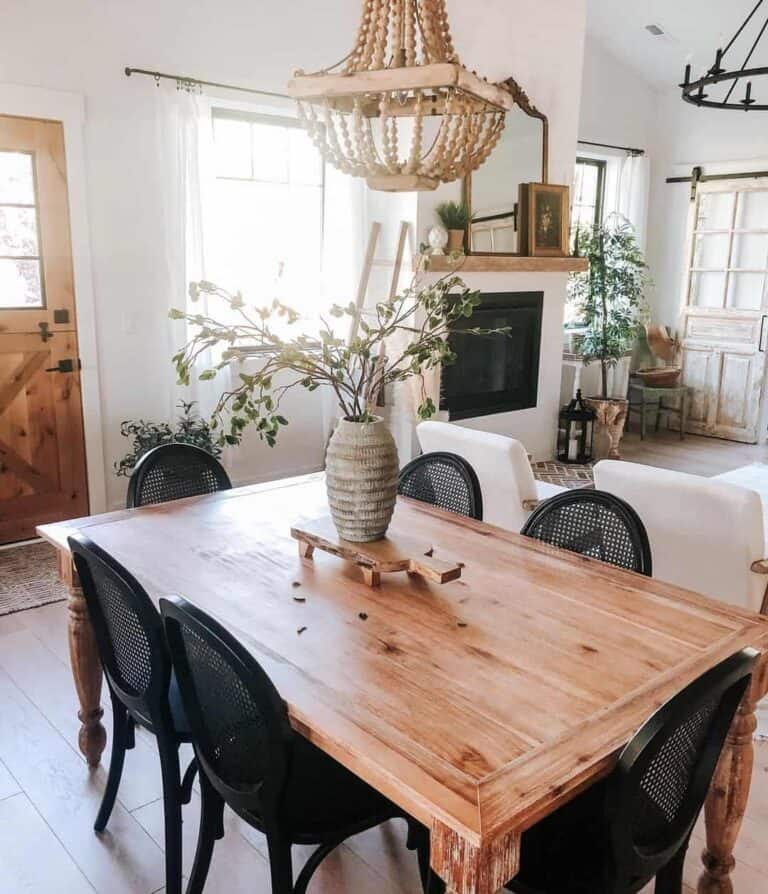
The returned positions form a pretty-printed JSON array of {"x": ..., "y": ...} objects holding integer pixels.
[
  {"x": 83, "y": 46},
  {"x": 617, "y": 106}
]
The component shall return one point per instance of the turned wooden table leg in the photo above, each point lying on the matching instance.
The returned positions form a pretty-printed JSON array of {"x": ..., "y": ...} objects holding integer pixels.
[
  {"x": 468, "y": 868},
  {"x": 728, "y": 795},
  {"x": 86, "y": 667}
]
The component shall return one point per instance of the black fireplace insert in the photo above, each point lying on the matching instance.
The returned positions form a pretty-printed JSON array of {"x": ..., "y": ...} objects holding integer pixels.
[{"x": 495, "y": 373}]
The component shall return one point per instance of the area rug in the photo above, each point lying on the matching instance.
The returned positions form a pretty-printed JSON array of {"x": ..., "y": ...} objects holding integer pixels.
[
  {"x": 29, "y": 578},
  {"x": 567, "y": 475}
]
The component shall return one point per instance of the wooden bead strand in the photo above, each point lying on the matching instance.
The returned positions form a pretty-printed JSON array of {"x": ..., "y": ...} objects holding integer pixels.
[
  {"x": 398, "y": 53},
  {"x": 414, "y": 159},
  {"x": 445, "y": 32},
  {"x": 410, "y": 32},
  {"x": 382, "y": 32},
  {"x": 367, "y": 56},
  {"x": 355, "y": 61}
]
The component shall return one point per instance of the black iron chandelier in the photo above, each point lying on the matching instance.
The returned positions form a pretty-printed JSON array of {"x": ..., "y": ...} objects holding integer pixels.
[{"x": 702, "y": 91}]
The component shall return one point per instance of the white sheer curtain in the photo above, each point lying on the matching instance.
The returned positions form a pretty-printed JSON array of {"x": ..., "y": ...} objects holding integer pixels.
[
  {"x": 344, "y": 240},
  {"x": 185, "y": 150},
  {"x": 633, "y": 188}
]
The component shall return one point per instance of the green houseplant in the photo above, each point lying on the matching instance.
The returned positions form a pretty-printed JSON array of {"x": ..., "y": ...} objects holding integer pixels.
[
  {"x": 397, "y": 340},
  {"x": 190, "y": 428},
  {"x": 610, "y": 297},
  {"x": 455, "y": 217}
]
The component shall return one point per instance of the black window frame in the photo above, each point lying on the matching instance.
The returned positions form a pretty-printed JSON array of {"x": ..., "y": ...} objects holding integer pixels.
[{"x": 602, "y": 165}]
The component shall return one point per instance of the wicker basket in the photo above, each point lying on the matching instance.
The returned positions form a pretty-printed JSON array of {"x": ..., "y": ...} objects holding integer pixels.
[{"x": 660, "y": 376}]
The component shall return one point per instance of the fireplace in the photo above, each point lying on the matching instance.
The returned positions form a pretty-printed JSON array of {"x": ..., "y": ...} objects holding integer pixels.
[{"x": 495, "y": 373}]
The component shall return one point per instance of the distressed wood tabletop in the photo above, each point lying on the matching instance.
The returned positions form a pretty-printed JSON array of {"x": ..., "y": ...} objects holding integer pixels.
[{"x": 479, "y": 705}]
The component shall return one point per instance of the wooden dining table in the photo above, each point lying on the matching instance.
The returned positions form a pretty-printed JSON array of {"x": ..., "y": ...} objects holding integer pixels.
[{"x": 479, "y": 706}]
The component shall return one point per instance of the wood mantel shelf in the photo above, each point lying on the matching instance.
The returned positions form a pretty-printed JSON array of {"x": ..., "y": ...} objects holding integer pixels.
[{"x": 504, "y": 264}]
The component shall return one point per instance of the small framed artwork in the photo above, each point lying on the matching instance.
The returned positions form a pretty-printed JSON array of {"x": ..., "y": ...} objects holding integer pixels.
[{"x": 544, "y": 220}]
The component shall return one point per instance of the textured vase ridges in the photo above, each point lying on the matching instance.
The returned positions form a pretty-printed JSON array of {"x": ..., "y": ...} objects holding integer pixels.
[{"x": 361, "y": 470}]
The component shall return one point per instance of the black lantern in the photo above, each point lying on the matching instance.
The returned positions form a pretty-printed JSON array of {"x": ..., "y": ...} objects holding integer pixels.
[{"x": 575, "y": 432}]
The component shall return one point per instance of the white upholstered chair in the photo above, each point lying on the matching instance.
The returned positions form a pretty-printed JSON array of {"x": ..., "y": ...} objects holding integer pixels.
[
  {"x": 510, "y": 492},
  {"x": 706, "y": 534}
]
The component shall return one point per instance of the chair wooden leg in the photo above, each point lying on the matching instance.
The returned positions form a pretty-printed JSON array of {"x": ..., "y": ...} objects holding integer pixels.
[
  {"x": 169, "y": 763},
  {"x": 121, "y": 734},
  {"x": 211, "y": 829}
]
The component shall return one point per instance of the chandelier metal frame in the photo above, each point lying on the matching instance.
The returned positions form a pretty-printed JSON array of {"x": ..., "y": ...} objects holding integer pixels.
[
  {"x": 694, "y": 91},
  {"x": 403, "y": 66}
]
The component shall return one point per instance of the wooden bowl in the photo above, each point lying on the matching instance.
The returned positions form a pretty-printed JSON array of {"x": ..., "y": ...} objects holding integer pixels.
[{"x": 660, "y": 376}]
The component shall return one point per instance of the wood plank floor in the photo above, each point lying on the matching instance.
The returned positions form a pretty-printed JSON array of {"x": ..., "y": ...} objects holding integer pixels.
[
  {"x": 696, "y": 455},
  {"x": 48, "y": 798}
]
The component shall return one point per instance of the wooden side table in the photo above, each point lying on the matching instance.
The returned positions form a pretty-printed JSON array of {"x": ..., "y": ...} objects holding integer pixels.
[{"x": 644, "y": 400}]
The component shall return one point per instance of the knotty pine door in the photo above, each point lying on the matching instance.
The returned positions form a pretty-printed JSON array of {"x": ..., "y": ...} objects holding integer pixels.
[{"x": 42, "y": 451}]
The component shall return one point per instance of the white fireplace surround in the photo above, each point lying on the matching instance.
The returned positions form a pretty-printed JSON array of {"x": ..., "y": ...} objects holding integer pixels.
[{"x": 536, "y": 427}]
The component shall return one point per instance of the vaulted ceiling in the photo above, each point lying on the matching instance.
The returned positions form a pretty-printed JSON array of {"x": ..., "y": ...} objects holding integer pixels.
[{"x": 692, "y": 31}]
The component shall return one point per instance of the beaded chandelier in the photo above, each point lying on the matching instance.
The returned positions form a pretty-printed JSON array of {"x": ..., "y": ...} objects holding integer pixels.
[{"x": 401, "y": 110}]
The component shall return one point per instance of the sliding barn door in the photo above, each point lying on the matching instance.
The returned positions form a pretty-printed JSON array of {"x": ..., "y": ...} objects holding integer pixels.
[
  {"x": 724, "y": 328},
  {"x": 42, "y": 455}
]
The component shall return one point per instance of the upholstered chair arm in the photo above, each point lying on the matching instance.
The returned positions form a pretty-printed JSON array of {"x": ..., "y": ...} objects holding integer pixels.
[{"x": 760, "y": 566}]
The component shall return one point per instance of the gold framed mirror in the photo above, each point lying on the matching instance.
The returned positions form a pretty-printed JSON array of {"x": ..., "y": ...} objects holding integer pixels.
[{"x": 491, "y": 193}]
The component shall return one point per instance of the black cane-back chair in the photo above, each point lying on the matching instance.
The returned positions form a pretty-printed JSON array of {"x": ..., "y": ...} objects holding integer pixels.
[
  {"x": 445, "y": 480},
  {"x": 250, "y": 758},
  {"x": 143, "y": 690},
  {"x": 635, "y": 825},
  {"x": 173, "y": 471},
  {"x": 595, "y": 524}
]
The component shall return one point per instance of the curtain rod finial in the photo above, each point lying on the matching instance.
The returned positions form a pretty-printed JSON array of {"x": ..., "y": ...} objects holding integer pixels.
[{"x": 128, "y": 71}]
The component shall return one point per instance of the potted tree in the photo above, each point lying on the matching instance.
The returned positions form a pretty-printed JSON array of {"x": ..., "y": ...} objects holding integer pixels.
[
  {"x": 398, "y": 340},
  {"x": 610, "y": 299}
]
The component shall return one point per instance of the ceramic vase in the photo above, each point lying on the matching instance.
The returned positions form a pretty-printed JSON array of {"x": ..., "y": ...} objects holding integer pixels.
[{"x": 361, "y": 472}]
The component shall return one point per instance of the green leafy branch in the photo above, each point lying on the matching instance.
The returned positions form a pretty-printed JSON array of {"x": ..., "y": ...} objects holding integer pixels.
[{"x": 416, "y": 325}]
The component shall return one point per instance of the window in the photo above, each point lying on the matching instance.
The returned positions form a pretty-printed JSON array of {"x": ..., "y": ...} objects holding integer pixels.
[
  {"x": 729, "y": 254},
  {"x": 588, "y": 194},
  {"x": 21, "y": 278},
  {"x": 266, "y": 236}
]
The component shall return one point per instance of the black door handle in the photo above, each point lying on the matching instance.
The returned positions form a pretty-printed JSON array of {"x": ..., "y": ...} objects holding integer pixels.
[
  {"x": 64, "y": 366},
  {"x": 760, "y": 340}
]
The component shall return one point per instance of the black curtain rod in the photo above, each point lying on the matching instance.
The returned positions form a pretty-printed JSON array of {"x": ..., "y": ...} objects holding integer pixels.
[
  {"x": 183, "y": 80},
  {"x": 628, "y": 149}
]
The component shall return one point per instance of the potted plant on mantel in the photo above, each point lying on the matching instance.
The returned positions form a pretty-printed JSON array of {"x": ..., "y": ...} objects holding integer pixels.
[
  {"x": 361, "y": 463},
  {"x": 610, "y": 298},
  {"x": 455, "y": 217}
]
